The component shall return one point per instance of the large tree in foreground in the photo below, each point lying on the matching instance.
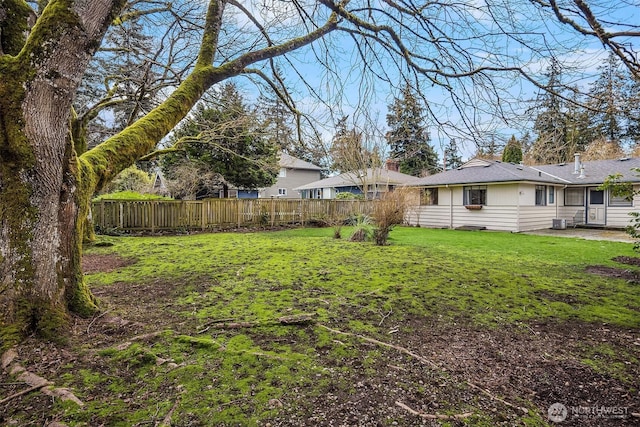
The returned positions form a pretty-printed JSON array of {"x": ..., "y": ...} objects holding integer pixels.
[
  {"x": 47, "y": 179},
  {"x": 45, "y": 186}
]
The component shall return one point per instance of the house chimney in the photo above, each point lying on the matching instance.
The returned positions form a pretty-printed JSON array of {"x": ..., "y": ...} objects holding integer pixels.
[
  {"x": 392, "y": 165},
  {"x": 578, "y": 164},
  {"x": 582, "y": 175}
]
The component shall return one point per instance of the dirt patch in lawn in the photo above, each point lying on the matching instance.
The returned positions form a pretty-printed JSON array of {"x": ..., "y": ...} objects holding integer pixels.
[
  {"x": 506, "y": 376},
  {"x": 629, "y": 260},
  {"x": 618, "y": 272},
  {"x": 614, "y": 272},
  {"x": 95, "y": 263}
]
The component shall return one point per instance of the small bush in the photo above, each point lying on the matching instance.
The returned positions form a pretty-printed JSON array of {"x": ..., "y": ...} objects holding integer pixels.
[
  {"x": 390, "y": 210},
  {"x": 363, "y": 229},
  {"x": 345, "y": 195},
  {"x": 130, "y": 179}
]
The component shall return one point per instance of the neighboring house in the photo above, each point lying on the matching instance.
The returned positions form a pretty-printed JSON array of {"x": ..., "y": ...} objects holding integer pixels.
[
  {"x": 293, "y": 173},
  {"x": 159, "y": 185},
  {"x": 512, "y": 197},
  {"x": 374, "y": 181}
]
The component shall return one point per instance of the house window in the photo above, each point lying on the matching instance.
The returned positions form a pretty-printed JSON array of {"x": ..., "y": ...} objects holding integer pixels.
[
  {"x": 552, "y": 195},
  {"x": 282, "y": 191},
  {"x": 619, "y": 200},
  {"x": 282, "y": 173},
  {"x": 541, "y": 195},
  {"x": 429, "y": 196},
  {"x": 475, "y": 195},
  {"x": 596, "y": 197},
  {"x": 574, "y": 197}
]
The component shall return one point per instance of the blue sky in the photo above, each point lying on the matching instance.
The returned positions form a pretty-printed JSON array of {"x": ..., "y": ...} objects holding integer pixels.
[
  {"x": 365, "y": 99},
  {"x": 348, "y": 90}
]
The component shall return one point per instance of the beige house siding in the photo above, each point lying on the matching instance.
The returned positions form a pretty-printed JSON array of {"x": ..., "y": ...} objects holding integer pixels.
[
  {"x": 429, "y": 216},
  {"x": 535, "y": 217},
  {"x": 512, "y": 192},
  {"x": 510, "y": 207},
  {"x": 618, "y": 216},
  {"x": 501, "y": 218}
]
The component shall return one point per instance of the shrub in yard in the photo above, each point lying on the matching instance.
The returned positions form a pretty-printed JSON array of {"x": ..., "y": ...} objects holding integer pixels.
[
  {"x": 346, "y": 195},
  {"x": 363, "y": 229},
  {"x": 130, "y": 179},
  {"x": 390, "y": 210}
]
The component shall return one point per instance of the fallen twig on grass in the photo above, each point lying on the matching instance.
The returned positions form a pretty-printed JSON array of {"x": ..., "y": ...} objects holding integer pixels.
[
  {"x": 23, "y": 392},
  {"x": 384, "y": 316},
  {"x": 434, "y": 416},
  {"x": 296, "y": 319},
  {"x": 125, "y": 345},
  {"x": 520, "y": 408},
  {"x": 166, "y": 422},
  {"x": 96, "y": 318},
  {"x": 384, "y": 344}
]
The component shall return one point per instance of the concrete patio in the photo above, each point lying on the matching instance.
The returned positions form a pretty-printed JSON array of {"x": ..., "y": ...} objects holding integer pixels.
[{"x": 586, "y": 233}]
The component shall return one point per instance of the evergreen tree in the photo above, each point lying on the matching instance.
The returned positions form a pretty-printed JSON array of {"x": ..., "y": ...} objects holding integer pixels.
[
  {"x": 512, "y": 152},
  {"x": 609, "y": 97},
  {"x": 632, "y": 112},
  {"x": 578, "y": 131},
  {"x": 550, "y": 124},
  {"x": 223, "y": 135},
  {"x": 488, "y": 150},
  {"x": 408, "y": 138},
  {"x": 452, "y": 156},
  {"x": 123, "y": 68},
  {"x": 280, "y": 126}
]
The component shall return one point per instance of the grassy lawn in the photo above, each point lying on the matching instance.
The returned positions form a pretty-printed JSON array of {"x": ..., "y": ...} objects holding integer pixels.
[
  {"x": 454, "y": 323},
  {"x": 489, "y": 278}
]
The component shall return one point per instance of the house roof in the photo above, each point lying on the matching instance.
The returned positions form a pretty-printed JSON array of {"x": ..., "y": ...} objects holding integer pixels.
[
  {"x": 371, "y": 176},
  {"x": 481, "y": 171},
  {"x": 287, "y": 161},
  {"x": 595, "y": 172}
]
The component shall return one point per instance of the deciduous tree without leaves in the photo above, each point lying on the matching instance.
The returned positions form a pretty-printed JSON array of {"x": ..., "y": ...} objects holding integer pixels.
[{"x": 46, "y": 183}]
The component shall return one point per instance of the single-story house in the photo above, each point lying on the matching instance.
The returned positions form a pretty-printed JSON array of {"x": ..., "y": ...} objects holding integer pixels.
[
  {"x": 512, "y": 197},
  {"x": 372, "y": 181},
  {"x": 293, "y": 173}
]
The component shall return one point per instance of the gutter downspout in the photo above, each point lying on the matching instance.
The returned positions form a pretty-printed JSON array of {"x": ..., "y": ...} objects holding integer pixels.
[{"x": 450, "y": 205}]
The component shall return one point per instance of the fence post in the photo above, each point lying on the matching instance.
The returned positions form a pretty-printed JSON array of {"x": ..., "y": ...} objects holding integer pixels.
[
  {"x": 152, "y": 213},
  {"x": 301, "y": 212},
  {"x": 204, "y": 202},
  {"x": 238, "y": 211},
  {"x": 102, "y": 214},
  {"x": 273, "y": 211}
]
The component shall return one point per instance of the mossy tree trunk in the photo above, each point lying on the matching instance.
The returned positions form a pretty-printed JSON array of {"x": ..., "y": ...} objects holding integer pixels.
[
  {"x": 42, "y": 191},
  {"x": 46, "y": 180}
]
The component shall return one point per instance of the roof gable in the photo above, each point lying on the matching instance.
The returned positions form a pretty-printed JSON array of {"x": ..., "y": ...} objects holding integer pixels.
[
  {"x": 369, "y": 176},
  {"x": 287, "y": 161}
]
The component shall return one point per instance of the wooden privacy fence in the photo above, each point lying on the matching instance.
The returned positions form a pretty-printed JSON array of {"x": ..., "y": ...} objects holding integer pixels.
[{"x": 159, "y": 215}]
